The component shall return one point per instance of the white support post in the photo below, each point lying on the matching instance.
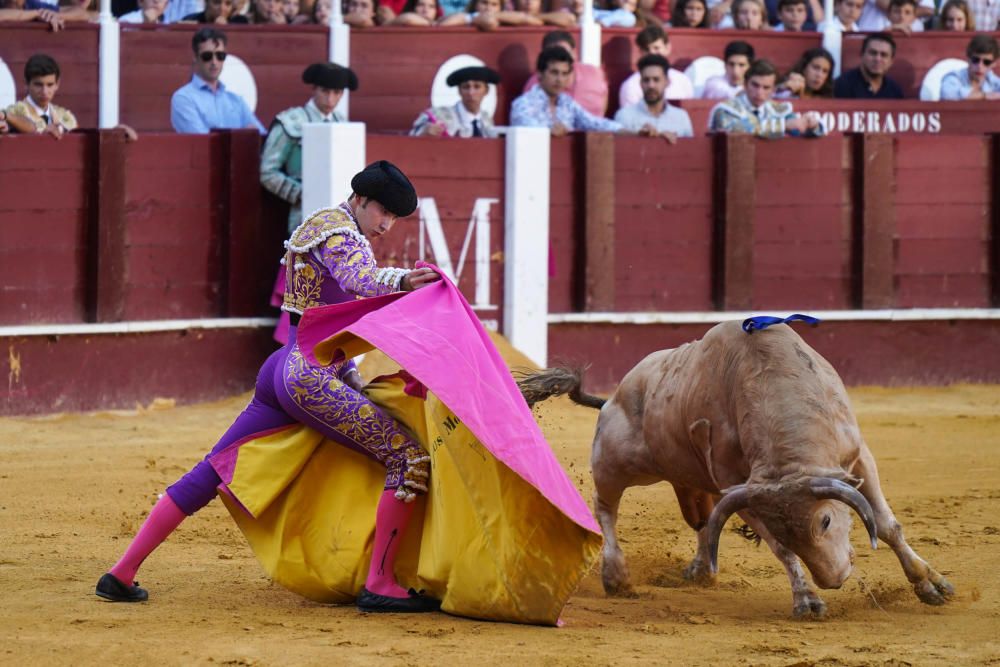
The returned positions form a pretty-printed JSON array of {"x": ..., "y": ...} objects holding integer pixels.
[
  {"x": 590, "y": 36},
  {"x": 332, "y": 153},
  {"x": 526, "y": 241},
  {"x": 833, "y": 37},
  {"x": 109, "y": 58},
  {"x": 340, "y": 51}
]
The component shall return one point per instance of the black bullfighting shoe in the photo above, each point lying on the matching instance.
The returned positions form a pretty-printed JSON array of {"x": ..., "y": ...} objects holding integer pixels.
[
  {"x": 414, "y": 604},
  {"x": 110, "y": 588}
]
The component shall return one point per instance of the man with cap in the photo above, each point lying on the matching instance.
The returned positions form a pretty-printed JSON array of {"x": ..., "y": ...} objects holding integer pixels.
[
  {"x": 281, "y": 159},
  {"x": 465, "y": 118},
  {"x": 328, "y": 260}
]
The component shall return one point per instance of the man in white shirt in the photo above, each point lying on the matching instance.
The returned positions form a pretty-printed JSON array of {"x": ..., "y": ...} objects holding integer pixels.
[
  {"x": 875, "y": 15},
  {"x": 977, "y": 81},
  {"x": 652, "y": 39},
  {"x": 846, "y": 14},
  {"x": 653, "y": 116}
]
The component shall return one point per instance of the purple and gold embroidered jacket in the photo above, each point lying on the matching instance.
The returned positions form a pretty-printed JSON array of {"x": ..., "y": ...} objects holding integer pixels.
[{"x": 328, "y": 260}]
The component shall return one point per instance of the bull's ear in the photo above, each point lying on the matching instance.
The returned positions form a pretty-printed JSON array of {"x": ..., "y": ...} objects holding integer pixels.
[{"x": 848, "y": 478}]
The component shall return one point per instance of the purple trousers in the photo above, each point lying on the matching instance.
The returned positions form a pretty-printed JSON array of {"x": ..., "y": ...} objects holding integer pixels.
[{"x": 289, "y": 390}]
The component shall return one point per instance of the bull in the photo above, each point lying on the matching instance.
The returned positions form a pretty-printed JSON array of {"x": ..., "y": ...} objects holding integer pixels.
[{"x": 753, "y": 424}]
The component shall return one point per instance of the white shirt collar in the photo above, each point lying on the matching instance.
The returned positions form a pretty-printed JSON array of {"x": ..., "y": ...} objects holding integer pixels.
[
  {"x": 465, "y": 117},
  {"x": 39, "y": 110}
]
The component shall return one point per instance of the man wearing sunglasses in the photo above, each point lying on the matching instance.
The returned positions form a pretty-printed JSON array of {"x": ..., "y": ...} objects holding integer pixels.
[
  {"x": 977, "y": 81},
  {"x": 205, "y": 104}
]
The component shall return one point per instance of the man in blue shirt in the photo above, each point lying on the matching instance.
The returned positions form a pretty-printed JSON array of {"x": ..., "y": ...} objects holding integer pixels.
[
  {"x": 977, "y": 81},
  {"x": 205, "y": 104},
  {"x": 869, "y": 81}
]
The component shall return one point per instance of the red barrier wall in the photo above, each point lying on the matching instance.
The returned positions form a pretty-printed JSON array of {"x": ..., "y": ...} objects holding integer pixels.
[
  {"x": 663, "y": 224},
  {"x": 943, "y": 224},
  {"x": 455, "y": 174},
  {"x": 566, "y": 235},
  {"x": 802, "y": 225},
  {"x": 174, "y": 228},
  {"x": 45, "y": 208}
]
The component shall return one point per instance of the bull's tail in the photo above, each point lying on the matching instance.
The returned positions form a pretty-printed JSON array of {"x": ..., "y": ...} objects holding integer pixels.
[{"x": 540, "y": 385}]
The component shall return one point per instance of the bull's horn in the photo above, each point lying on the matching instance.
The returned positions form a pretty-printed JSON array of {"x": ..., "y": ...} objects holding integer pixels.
[
  {"x": 828, "y": 488},
  {"x": 736, "y": 498}
]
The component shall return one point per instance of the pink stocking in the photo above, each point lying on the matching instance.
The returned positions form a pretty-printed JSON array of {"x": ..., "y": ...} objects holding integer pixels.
[
  {"x": 162, "y": 520},
  {"x": 391, "y": 518}
]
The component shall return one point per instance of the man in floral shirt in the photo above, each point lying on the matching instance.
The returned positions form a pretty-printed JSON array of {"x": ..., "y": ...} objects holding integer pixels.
[{"x": 548, "y": 105}]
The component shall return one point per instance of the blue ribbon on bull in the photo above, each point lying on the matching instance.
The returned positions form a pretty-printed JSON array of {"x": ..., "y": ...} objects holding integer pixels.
[{"x": 762, "y": 322}]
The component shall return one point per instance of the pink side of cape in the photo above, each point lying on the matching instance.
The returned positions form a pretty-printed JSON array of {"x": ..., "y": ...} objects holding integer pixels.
[{"x": 436, "y": 337}]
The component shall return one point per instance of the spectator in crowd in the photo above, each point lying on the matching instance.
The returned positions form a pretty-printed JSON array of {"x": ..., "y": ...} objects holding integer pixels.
[
  {"x": 565, "y": 13},
  {"x": 652, "y": 40},
  {"x": 955, "y": 16},
  {"x": 652, "y": 115},
  {"x": 977, "y": 81},
  {"x": 587, "y": 85},
  {"x": 321, "y": 12},
  {"x": 466, "y": 118},
  {"x": 14, "y": 11},
  {"x": 690, "y": 14},
  {"x": 290, "y": 9},
  {"x": 419, "y": 13},
  {"x": 869, "y": 80},
  {"x": 737, "y": 56},
  {"x": 620, "y": 15},
  {"x": 36, "y": 114},
  {"x": 149, "y": 11},
  {"x": 985, "y": 14},
  {"x": 749, "y": 15},
  {"x": 793, "y": 15},
  {"x": 548, "y": 104},
  {"x": 814, "y": 13},
  {"x": 490, "y": 15},
  {"x": 217, "y": 11},
  {"x": 754, "y": 112},
  {"x": 204, "y": 104},
  {"x": 281, "y": 158},
  {"x": 845, "y": 15},
  {"x": 875, "y": 14},
  {"x": 4, "y": 126},
  {"x": 269, "y": 12},
  {"x": 903, "y": 16},
  {"x": 811, "y": 76}
]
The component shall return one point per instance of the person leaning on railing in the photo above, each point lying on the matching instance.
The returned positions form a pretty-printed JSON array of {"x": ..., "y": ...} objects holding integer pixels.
[
  {"x": 977, "y": 81},
  {"x": 13, "y": 10}
]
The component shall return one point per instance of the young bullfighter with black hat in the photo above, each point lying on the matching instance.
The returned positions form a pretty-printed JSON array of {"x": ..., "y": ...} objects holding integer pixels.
[
  {"x": 466, "y": 117},
  {"x": 281, "y": 160},
  {"x": 328, "y": 260}
]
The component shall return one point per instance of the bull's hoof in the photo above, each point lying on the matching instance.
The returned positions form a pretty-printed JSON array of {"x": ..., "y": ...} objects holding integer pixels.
[
  {"x": 809, "y": 606},
  {"x": 935, "y": 593},
  {"x": 699, "y": 573},
  {"x": 619, "y": 590}
]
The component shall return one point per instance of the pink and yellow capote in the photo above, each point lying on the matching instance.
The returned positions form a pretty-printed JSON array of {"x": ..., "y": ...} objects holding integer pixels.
[{"x": 502, "y": 533}]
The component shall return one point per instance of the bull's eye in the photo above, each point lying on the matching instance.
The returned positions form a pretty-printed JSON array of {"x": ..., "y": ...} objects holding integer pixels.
[{"x": 826, "y": 522}]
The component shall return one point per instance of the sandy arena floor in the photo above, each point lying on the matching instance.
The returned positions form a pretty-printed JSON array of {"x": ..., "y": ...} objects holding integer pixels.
[{"x": 73, "y": 489}]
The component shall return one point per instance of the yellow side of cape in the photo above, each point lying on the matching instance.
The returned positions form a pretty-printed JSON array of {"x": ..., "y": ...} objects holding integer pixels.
[{"x": 483, "y": 540}]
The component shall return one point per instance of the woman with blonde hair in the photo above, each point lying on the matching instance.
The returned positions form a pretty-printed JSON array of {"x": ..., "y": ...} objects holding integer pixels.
[{"x": 956, "y": 16}]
